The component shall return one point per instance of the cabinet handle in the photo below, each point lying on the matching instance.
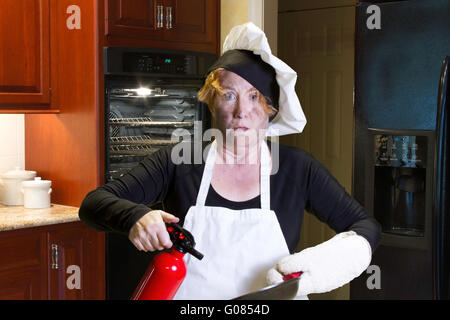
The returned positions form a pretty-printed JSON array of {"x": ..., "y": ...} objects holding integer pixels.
[
  {"x": 169, "y": 17},
  {"x": 160, "y": 17},
  {"x": 54, "y": 256}
]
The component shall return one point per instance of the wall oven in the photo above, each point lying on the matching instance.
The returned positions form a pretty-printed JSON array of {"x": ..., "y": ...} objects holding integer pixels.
[{"x": 149, "y": 94}]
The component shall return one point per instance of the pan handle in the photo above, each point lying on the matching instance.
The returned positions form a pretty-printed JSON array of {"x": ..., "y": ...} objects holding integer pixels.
[{"x": 292, "y": 275}]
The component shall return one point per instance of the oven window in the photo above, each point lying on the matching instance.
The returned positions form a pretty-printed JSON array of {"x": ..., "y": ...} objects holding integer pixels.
[{"x": 140, "y": 120}]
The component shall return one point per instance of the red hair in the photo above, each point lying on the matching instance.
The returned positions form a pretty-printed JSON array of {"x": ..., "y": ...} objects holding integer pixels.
[{"x": 213, "y": 87}]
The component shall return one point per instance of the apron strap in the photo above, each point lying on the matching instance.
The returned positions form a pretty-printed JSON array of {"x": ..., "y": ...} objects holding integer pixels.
[
  {"x": 209, "y": 167},
  {"x": 265, "y": 176},
  {"x": 207, "y": 174}
]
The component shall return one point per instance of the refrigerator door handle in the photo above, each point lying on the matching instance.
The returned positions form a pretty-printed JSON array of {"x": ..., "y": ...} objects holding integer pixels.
[{"x": 440, "y": 258}]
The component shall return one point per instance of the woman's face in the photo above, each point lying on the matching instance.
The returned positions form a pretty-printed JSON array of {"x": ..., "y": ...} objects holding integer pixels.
[{"x": 238, "y": 112}]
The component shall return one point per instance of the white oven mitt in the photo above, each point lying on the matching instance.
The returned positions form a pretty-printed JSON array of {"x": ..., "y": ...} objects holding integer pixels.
[{"x": 326, "y": 266}]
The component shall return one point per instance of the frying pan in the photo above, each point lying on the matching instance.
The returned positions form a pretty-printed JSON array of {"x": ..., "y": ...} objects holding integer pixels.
[{"x": 286, "y": 290}]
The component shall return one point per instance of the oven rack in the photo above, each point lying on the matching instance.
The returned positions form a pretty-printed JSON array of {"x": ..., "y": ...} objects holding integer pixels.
[
  {"x": 146, "y": 121},
  {"x": 132, "y": 150},
  {"x": 139, "y": 141},
  {"x": 128, "y": 96}
]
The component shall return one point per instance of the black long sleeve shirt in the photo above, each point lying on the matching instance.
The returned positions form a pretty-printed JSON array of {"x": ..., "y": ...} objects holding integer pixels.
[{"x": 301, "y": 183}]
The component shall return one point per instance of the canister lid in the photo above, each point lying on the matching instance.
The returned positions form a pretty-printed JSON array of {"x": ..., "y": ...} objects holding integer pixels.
[
  {"x": 17, "y": 173},
  {"x": 37, "y": 183}
]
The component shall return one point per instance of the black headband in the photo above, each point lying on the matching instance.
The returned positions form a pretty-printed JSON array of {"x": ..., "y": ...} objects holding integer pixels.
[{"x": 252, "y": 68}]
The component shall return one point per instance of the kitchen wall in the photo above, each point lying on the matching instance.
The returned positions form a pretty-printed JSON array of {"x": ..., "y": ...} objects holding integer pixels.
[
  {"x": 263, "y": 13},
  {"x": 12, "y": 142},
  {"x": 232, "y": 13}
]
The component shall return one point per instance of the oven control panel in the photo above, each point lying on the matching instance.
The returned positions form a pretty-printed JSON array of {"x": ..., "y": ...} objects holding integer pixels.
[
  {"x": 156, "y": 62},
  {"x": 159, "y": 63}
]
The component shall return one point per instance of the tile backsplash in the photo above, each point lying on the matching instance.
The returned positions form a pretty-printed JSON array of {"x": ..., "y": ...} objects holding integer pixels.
[{"x": 12, "y": 142}]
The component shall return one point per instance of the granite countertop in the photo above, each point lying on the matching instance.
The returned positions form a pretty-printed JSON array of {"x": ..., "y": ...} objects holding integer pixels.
[{"x": 18, "y": 217}]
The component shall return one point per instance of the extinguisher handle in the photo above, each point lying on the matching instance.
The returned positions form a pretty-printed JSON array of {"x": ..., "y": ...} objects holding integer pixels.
[{"x": 182, "y": 240}]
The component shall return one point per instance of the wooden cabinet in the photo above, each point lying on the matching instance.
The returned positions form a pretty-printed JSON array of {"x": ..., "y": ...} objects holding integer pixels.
[
  {"x": 174, "y": 24},
  {"x": 25, "y": 72},
  {"x": 63, "y": 261},
  {"x": 23, "y": 268},
  {"x": 22, "y": 284},
  {"x": 66, "y": 147},
  {"x": 75, "y": 250},
  {"x": 138, "y": 19}
]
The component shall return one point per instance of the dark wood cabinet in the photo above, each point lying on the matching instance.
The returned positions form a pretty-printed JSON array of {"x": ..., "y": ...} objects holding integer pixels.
[
  {"x": 137, "y": 18},
  {"x": 22, "y": 284},
  {"x": 25, "y": 72},
  {"x": 23, "y": 269},
  {"x": 62, "y": 261},
  {"x": 173, "y": 24},
  {"x": 193, "y": 21},
  {"x": 76, "y": 262}
]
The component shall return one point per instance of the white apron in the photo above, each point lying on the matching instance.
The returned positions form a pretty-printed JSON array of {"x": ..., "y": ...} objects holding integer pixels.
[{"x": 239, "y": 246}]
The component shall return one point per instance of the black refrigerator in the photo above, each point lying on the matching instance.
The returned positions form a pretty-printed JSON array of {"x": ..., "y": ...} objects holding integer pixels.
[{"x": 400, "y": 146}]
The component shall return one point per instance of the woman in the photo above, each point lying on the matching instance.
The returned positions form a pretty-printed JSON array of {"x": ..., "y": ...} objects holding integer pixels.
[{"x": 245, "y": 204}]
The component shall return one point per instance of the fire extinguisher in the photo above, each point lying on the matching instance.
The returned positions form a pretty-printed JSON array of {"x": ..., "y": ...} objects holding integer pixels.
[{"x": 167, "y": 270}]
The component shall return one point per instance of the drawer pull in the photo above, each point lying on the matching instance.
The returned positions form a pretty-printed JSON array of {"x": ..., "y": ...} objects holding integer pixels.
[
  {"x": 169, "y": 17},
  {"x": 160, "y": 17}
]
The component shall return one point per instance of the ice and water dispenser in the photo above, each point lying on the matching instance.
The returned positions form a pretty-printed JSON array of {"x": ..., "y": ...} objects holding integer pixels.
[{"x": 400, "y": 195}]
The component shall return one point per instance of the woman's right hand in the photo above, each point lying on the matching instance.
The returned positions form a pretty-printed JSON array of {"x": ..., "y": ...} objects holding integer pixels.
[{"x": 149, "y": 233}]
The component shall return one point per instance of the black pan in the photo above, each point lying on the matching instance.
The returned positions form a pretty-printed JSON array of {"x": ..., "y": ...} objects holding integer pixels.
[{"x": 286, "y": 290}]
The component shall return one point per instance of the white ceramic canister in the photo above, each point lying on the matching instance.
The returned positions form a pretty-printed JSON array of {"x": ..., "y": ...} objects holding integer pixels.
[
  {"x": 11, "y": 185},
  {"x": 36, "y": 193}
]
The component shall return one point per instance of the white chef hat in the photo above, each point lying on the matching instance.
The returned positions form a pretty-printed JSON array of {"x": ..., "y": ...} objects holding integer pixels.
[{"x": 290, "y": 117}]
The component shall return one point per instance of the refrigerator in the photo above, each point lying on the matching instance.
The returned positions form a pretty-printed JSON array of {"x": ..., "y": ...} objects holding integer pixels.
[{"x": 401, "y": 109}]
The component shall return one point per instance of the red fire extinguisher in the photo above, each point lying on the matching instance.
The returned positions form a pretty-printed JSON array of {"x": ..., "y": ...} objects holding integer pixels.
[{"x": 167, "y": 270}]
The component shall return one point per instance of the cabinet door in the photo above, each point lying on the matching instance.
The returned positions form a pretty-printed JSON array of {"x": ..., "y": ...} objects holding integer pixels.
[
  {"x": 76, "y": 262},
  {"x": 24, "y": 54},
  {"x": 145, "y": 23},
  {"x": 23, "y": 271},
  {"x": 21, "y": 284},
  {"x": 193, "y": 21},
  {"x": 135, "y": 19}
]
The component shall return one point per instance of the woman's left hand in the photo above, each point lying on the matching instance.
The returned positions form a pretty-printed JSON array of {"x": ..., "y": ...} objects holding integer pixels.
[{"x": 326, "y": 266}]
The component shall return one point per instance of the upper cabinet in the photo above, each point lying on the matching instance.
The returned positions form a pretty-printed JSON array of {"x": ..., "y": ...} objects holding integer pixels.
[
  {"x": 25, "y": 84},
  {"x": 173, "y": 24},
  {"x": 141, "y": 19},
  {"x": 32, "y": 32}
]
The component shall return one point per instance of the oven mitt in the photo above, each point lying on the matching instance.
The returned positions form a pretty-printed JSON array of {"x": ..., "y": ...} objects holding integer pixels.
[{"x": 326, "y": 266}]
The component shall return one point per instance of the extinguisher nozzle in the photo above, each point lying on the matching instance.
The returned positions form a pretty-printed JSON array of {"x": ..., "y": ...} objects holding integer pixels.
[{"x": 195, "y": 253}]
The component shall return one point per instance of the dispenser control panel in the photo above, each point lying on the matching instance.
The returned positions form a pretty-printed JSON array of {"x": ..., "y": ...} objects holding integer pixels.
[{"x": 400, "y": 151}]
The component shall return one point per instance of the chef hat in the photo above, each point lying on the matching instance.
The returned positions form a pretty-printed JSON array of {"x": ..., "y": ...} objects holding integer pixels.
[{"x": 246, "y": 52}]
